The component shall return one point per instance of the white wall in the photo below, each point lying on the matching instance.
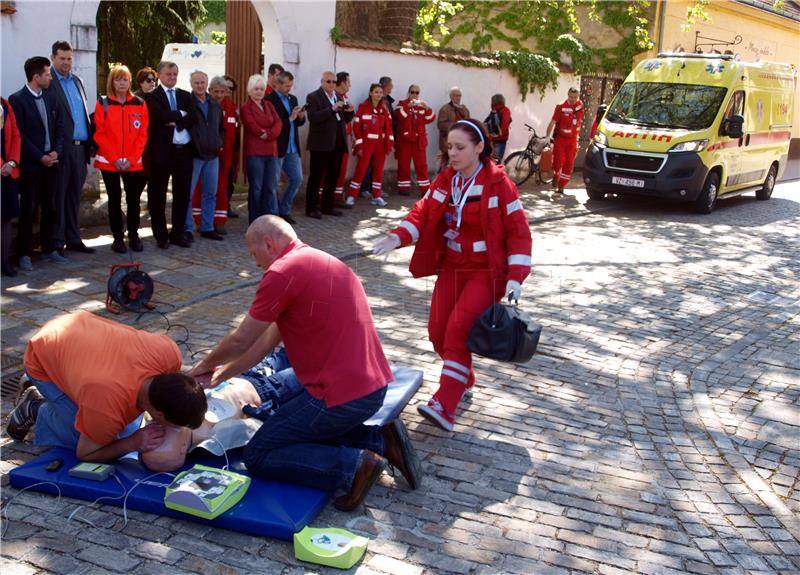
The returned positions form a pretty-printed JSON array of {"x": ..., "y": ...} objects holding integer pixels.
[
  {"x": 435, "y": 78},
  {"x": 32, "y": 30}
]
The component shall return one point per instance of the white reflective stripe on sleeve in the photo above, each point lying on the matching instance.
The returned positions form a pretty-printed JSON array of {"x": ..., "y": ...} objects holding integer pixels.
[
  {"x": 494, "y": 201},
  {"x": 513, "y": 207},
  {"x": 367, "y": 116},
  {"x": 519, "y": 260},
  {"x": 439, "y": 196},
  {"x": 455, "y": 375},
  {"x": 455, "y": 365},
  {"x": 373, "y": 137},
  {"x": 411, "y": 229},
  {"x": 403, "y": 112},
  {"x": 455, "y": 246},
  {"x": 99, "y": 158},
  {"x": 479, "y": 246},
  {"x": 358, "y": 141}
]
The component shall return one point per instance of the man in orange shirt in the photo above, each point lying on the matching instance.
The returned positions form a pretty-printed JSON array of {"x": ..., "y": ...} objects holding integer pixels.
[{"x": 92, "y": 380}]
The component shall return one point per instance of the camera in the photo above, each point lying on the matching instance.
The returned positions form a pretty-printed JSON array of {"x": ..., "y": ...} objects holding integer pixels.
[{"x": 304, "y": 108}]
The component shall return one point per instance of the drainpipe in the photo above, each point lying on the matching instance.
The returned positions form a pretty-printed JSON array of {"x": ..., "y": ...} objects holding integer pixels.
[{"x": 662, "y": 8}]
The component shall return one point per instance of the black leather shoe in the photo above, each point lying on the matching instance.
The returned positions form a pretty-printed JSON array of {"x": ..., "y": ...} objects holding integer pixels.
[
  {"x": 212, "y": 236},
  {"x": 81, "y": 248},
  {"x": 119, "y": 246},
  {"x": 397, "y": 448},
  {"x": 316, "y": 214},
  {"x": 333, "y": 213},
  {"x": 163, "y": 244},
  {"x": 135, "y": 244},
  {"x": 289, "y": 219},
  {"x": 372, "y": 465},
  {"x": 189, "y": 237},
  {"x": 232, "y": 214},
  {"x": 180, "y": 241}
]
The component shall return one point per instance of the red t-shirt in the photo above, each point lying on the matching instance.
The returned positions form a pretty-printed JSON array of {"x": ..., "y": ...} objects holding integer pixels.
[{"x": 326, "y": 324}]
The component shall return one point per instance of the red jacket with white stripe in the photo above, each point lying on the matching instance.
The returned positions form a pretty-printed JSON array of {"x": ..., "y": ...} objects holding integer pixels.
[
  {"x": 505, "y": 227},
  {"x": 411, "y": 122},
  {"x": 372, "y": 124},
  {"x": 568, "y": 119},
  {"x": 120, "y": 132}
]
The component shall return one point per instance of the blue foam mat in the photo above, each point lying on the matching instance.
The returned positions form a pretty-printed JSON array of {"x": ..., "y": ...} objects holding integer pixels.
[{"x": 269, "y": 508}]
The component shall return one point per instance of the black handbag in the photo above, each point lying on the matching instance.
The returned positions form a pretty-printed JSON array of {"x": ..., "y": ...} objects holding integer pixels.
[{"x": 506, "y": 333}]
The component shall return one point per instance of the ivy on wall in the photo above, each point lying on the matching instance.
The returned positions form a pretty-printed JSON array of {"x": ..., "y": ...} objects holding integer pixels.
[{"x": 550, "y": 25}]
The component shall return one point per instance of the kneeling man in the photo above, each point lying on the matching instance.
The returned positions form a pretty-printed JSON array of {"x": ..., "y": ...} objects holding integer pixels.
[
  {"x": 317, "y": 306},
  {"x": 92, "y": 380}
]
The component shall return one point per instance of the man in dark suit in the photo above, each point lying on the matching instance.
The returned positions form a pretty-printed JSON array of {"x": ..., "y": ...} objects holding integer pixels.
[
  {"x": 42, "y": 134},
  {"x": 292, "y": 117},
  {"x": 70, "y": 96},
  {"x": 327, "y": 116},
  {"x": 172, "y": 115}
]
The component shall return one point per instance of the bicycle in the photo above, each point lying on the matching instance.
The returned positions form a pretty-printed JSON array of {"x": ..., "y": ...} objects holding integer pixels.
[{"x": 522, "y": 164}]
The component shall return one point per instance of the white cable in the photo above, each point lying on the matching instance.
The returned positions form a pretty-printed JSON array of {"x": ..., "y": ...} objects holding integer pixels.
[
  {"x": 71, "y": 515},
  {"x": 224, "y": 452},
  {"x": 135, "y": 485},
  {"x": 5, "y": 509}
]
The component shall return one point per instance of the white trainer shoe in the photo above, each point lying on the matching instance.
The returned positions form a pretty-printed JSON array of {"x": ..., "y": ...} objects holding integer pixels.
[
  {"x": 350, "y": 201},
  {"x": 378, "y": 202}
]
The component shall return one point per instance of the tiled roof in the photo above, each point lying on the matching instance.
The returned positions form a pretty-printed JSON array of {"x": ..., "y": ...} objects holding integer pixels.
[{"x": 790, "y": 8}]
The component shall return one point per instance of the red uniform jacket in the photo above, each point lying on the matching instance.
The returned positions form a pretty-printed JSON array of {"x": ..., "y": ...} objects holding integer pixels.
[
  {"x": 373, "y": 124},
  {"x": 505, "y": 227},
  {"x": 256, "y": 122},
  {"x": 230, "y": 118},
  {"x": 120, "y": 132},
  {"x": 568, "y": 120},
  {"x": 13, "y": 140},
  {"x": 411, "y": 122}
]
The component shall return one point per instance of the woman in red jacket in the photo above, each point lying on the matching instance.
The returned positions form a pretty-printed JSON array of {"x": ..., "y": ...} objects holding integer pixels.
[
  {"x": 10, "y": 147},
  {"x": 121, "y": 121},
  {"x": 372, "y": 129},
  {"x": 471, "y": 230},
  {"x": 262, "y": 126}
]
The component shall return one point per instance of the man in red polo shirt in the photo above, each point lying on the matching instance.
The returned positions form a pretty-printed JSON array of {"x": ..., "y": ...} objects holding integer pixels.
[{"x": 317, "y": 306}]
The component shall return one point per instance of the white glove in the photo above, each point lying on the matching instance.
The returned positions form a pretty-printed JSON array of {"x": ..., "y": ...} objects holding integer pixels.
[
  {"x": 383, "y": 246},
  {"x": 513, "y": 289}
]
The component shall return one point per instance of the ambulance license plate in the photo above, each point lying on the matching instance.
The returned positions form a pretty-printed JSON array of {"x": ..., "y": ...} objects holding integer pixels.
[{"x": 630, "y": 182}]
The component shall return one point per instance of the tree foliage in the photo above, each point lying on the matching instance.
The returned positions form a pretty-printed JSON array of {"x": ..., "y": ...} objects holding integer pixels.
[{"x": 134, "y": 33}]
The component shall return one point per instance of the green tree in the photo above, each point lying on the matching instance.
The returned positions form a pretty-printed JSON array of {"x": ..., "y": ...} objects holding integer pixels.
[{"x": 134, "y": 33}]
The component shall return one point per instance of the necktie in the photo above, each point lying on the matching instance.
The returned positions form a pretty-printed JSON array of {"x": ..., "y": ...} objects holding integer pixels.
[{"x": 172, "y": 104}]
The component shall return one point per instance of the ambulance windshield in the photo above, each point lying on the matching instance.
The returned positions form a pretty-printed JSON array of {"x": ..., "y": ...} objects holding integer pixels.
[{"x": 661, "y": 105}]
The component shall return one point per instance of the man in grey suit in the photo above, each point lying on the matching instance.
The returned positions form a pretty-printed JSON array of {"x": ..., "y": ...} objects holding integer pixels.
[{"x": 70, "y": 96}]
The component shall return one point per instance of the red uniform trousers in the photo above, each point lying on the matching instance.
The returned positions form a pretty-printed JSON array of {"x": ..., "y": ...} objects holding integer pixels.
[
  {"x": 406, "y": 151},
  {"x": 374, "y": 150},
  {"x": 564, "y": 151}
]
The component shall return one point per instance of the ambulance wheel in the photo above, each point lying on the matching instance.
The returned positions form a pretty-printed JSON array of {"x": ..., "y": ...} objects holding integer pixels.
[
  {"x": 705, "y": 202},
  {"x": 769, "y": 184},
  {"x": 519, "y": 167},
  {"x": 595, "y": 194}
]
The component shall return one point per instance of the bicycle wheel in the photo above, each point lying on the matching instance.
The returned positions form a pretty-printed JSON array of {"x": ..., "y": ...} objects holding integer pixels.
[{"x": 519, "y": 167}]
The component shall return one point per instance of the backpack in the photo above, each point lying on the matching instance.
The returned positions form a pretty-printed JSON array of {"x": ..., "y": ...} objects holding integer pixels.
[{"x": 492, "y": 122}]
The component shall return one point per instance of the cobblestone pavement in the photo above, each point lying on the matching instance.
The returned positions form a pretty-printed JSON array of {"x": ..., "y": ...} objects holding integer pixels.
[{"x": 656, "y": 432}]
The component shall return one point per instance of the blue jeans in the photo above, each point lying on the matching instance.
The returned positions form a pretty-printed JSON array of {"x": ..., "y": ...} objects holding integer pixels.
[
  {"x": 55, "y": 423},
  {"x": 308, "y": 443},
  {"x": 291, "y": 165},
  {"x": 207, "y": 171},
  {"x": 499, "y": 151},
  {"x": 262, "y": 172}
]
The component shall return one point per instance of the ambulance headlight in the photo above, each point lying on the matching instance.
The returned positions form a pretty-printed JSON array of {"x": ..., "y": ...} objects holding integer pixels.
[
  {"x": 693, "y": 146},
  {"x": 600, "y": 140}
]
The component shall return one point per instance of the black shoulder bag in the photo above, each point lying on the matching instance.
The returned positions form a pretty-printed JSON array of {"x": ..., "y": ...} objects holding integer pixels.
[{"x": 506, "y": 333}]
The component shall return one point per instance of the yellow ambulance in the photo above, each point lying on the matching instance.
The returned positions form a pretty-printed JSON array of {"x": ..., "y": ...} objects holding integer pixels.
[{"x": 694, "y": 128}]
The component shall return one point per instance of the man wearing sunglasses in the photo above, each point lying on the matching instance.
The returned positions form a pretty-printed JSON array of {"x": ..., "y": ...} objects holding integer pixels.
[
  {"x": 413, "y": 115},
  {"x": 328, "y": 114}
]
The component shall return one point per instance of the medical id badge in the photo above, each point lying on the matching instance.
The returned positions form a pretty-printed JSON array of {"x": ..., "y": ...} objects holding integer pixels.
[{"x": 451, "y": 234}]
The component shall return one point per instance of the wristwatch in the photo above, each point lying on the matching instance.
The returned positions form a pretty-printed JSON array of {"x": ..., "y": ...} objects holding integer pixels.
[{"x": 12, "y": 163}]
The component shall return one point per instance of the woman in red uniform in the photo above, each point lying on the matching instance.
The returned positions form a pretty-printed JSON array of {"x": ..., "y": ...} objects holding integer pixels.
[
  {"x": 372, "y": 128},
  {"x": 471, "y": 230},
  {"x": 121, "y": 121},
  {"x": 412, "y": 115}
]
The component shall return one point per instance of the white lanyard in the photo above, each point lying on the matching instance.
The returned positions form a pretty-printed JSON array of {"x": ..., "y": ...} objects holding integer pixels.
[{"x": 460, "y": 193}]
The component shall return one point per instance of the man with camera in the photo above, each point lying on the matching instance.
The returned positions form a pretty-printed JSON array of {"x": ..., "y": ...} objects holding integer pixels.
[
  {"x": 328, "y": 115},
  {"x": 413, "y": 115},
  {"x": 292, "y": 117}
]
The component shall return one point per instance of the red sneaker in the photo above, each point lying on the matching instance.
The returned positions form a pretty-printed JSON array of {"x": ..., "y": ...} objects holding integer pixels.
[{"x": 435, "y": 413}]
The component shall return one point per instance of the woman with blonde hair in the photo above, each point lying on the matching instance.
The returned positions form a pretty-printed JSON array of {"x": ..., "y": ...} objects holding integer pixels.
[
  {"x": 262, "y": 126},
  {"x": 121, "y": 122}
]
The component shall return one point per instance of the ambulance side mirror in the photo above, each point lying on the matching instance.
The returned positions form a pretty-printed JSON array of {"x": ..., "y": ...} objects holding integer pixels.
[{"x": 734, "y": 127}]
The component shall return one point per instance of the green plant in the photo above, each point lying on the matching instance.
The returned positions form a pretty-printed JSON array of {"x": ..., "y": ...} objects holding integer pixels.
[
  {"x": 336, "y": 34},
  {"x": 581, "y": 55},
  {"x": 218, "y": 37},
  {"x": 531, "y": 70}
]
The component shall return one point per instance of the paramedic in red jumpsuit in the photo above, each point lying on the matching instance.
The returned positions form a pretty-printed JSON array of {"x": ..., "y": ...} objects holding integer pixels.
[
  {"x": 567, "y": 120},
  {"x": 412, "y": 115},
  {"x": 471, "y": 230},
  {"x": 373, "y": 140}
]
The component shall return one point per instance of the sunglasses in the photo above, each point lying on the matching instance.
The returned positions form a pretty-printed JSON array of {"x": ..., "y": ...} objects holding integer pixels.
[
  {"x": 413, "y": 91},
  {"x": 330, "y": 81},
  {"x": 149, "y": 79}
]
